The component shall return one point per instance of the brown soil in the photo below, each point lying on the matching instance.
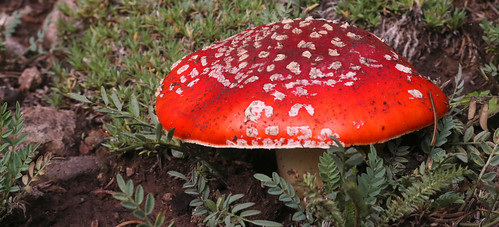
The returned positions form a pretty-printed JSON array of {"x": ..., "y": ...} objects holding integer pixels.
[{"x": 85, "y": 200}]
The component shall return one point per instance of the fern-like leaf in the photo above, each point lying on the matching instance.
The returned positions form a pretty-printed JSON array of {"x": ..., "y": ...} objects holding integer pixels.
[
  {"x": 329, "y": 173},
  {"x": 374, "y": 180},
  {"x": 418, "y": 193}
]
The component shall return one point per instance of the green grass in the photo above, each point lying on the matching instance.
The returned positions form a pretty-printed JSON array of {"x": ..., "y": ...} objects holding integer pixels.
[{"x": 436, "y": 13}]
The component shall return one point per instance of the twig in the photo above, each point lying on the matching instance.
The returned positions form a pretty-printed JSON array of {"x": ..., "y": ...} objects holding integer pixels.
[
  {"x": 130, "y": 222},
  {"x": 434, "y": 138}
]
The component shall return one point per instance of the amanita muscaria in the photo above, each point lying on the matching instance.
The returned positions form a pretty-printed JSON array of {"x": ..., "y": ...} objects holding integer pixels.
[{"x": 293, "y": 84}]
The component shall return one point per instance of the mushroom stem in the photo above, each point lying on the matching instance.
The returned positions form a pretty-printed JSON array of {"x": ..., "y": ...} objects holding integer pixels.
[{"x": 293, "y": 163}]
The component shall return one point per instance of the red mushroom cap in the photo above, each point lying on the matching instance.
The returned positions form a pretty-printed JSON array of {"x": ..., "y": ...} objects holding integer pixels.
[{"x": 293, "y": 84}]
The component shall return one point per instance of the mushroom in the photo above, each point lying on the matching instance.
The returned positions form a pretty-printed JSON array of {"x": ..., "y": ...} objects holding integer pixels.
[{"x": 290, "y": 86}]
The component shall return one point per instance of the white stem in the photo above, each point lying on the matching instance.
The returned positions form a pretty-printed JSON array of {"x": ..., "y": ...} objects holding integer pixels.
[{"x": 293, "y": 163}]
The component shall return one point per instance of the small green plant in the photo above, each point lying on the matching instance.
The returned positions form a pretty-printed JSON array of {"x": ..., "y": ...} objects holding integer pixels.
[
  {"x": 279, "y": 187},
  {"x": 221, "y": 211},
  {"x": 491, "y": 69},
  {"x": 362, "y": 11},
  {"x": 147, "y": 134},
  {"x": 491, "y": 36},
  {"x": 438, "y": 13},
  {"x": 8, "y": 29},
  {"x": 16, "y": 160},
  {"x": 133, "y": 199},
  {"x": 35, "y": 45}
]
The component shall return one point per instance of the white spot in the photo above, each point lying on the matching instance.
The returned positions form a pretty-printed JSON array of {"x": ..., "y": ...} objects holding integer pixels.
[
  {"x": 409, "y": 78},
  {"x": 242, "y": 57},
  {"x": 251, "y": 131},
  {"x": 296, "y": 31},
  {"x": 192, "y": 83},
  {"x": 268, "y": 87},
  {"x": 297, "y": 82},
  {"x": 294, "y": 67},
  {"x": 319, "y": 58},
  {"x": 270, "y": 67},
  {"x": 305, "y": 132},
  {"x": 279, "y": 37},
  {"x": 309, "y": 143},
  {"x": 331, "y": 82},
  {"x": 337, "y": 42},
  {"x": 349, "y": 76},
  {"x": 326, "y": 133},
  {"x": 279, "y": 57},
  {"x": 395, "y": 55},
  {"x": 272, "y": 130},
  {"x": 388, "y": 57},
  {"x": 216, "y": 73},
  {"x": 353, "y": 36},
  {"x": 403, "y": 68},
  {"x": 194, "y": 72},
  {"x": 344, "y": 25},
  {"x": 292, "y": 143},
  {"x": 268, "y": 142},
  {"x": 293, "y": 112},
  {"x": 333, "y": 52},
  {"x": 203, "y": 61},
  {"x": 254, "y": 111},
  {"x": 355, "y": 67},
  {"x": 317, "y": 73},
  {"x": 315, "y": 35},
  {"x": 276, "y": 76},
  {"x": 257, "y": 44},
  {"x": 335, "y": 65},
  {"x": 182, "y": 69},
  {"x": 278, "y": 46},
  {"x": 415, "y": 93},
  {"x": 303, "y": 44},
  {"x": 242, "y": 143},
  {"x": 230, "y": 143},
  {"x": 182, "y": 79},
  {"x": 287, "y": 21},
  {"x": 228, "y": 60},
  {"x": 369, "y": 62},
  {"x": 287, "y": 26},
  {"x": 300, "y": 91},
  {"x": 178, "y": 91},
  {"x": 358, "y": 124},
  {"x": 243, "y": 64},
  {"x": 327, "y": 27},
  {"x": 304, "y": 23},
  {"x": 241, "y": 51},
  {"x": 278, "y": 95},
  {"x": 217, "y": 55},
  {"x": 350, "y": 83},
  {"x": 251, "y": 79},
  {"x": 306, "y": 54},
  {"x": 263, "y": 54},
  {"x": 175, "y": 64},
  {"x": 193, "y": 57}
]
